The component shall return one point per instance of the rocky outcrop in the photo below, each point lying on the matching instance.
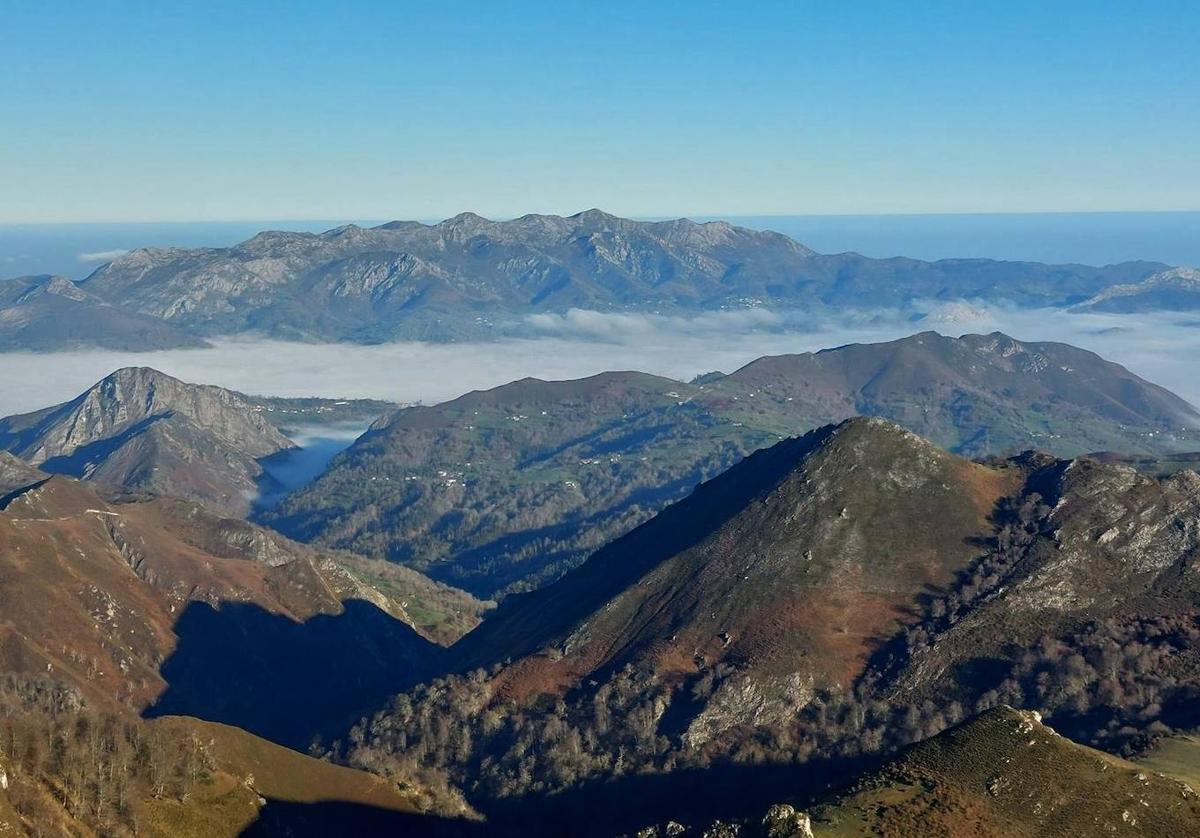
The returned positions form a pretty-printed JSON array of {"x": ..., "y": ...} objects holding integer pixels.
[
  {"x": 783, "y": 821},
  {"x": 139, "y": 429}
]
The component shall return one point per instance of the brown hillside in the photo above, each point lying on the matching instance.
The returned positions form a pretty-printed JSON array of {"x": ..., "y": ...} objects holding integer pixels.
[{"x": 786, "y": 568}]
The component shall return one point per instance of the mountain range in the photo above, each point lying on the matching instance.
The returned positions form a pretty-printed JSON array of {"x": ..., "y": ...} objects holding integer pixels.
[
  {"x": 44, "y": 313},
  {"x": 504, "y": 489},
  {"x": 826, "y": 594},
  {"x": 823, "y": 604},
  {"x": 786, "y": 634},
  {"x": 470, "y": 277}
]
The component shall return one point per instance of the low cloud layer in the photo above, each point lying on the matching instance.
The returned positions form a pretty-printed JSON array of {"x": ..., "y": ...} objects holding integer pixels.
[
  {"x": 102, "y": 255},
  {"x": 1161, "y": 348}
]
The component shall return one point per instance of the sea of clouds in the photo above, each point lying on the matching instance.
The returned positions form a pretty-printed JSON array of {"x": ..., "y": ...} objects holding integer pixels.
[{"x": 1160, "y": 347}]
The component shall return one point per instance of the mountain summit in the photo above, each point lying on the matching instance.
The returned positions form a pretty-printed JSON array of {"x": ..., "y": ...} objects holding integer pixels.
[
  {"x": 786, "y": 570},
  {"x": 141, "y": 429}
]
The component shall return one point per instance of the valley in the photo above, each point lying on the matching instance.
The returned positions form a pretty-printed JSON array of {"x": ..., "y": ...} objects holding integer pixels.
[
  {"x": 755, "y": 590},
  {"x": 913, "y": 585},
  {"x": 624, "y": 420}
]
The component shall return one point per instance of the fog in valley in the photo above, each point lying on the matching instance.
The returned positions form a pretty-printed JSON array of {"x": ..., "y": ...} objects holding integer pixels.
[{"x": 1161, "y": 348}]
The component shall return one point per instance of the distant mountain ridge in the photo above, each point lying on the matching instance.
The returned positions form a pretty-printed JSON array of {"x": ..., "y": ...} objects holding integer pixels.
[
  {"x": 506, "y": 488},
  {"x": 472, "y": 277},
  {"x": 1175, "y": 290},
  {"x": 54, "y": 313}
]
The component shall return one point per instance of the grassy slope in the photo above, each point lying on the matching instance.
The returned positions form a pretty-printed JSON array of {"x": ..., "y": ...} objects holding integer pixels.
[
  {"x": 1178, "y": 756},
  {"x": 249, "y": 772},
  {"x": 1005, "y": 774},
  {"x": 250, "y": 768}
]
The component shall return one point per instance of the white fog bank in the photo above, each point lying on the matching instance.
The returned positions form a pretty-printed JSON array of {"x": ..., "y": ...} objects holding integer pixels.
[{"x": 1162, "y": 348}]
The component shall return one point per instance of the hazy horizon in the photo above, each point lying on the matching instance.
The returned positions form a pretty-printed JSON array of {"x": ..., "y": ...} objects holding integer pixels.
[{"x": 75, "y": 249}]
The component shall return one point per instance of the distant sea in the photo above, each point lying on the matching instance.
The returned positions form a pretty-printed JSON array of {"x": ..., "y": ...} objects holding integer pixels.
[
  {"x": 75, "y": 250},
  {"x": 1089, "y": 238}
]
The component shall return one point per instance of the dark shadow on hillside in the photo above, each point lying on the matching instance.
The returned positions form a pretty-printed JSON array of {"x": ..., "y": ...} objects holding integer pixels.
[
  {"x": 320, "y": 820},
  {"x": 8, "y": 498},
  {"x": 524, "y": 620},
  {"x": 286, "y": 681},
  {"x": 622, "y": 806},
  {"x": 692, "y": 797},
  {"x": 78, "y": 462}
]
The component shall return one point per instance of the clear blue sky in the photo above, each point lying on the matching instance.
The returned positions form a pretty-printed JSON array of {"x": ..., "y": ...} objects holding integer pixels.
[{"x": 210, "y": 110}]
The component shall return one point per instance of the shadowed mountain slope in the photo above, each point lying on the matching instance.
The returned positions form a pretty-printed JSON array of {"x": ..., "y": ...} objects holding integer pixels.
[
  {"x": 502, "y": 490},
  {"x": 99, "y": 595}
]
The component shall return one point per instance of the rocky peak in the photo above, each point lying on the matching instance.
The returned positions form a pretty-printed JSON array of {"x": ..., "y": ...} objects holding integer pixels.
[
  {"x": 135, "y": 396},
  {"x": 463, "y": 226},
  {"x": 597, "y": 220},
  {"x": 58, "y": 286}
]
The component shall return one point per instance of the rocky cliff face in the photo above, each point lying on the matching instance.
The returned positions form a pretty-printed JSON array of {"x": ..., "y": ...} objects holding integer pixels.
[{"x": 141, "y": 429}]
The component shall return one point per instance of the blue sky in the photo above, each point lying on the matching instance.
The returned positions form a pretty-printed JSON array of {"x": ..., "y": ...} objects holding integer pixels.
[{"x": 135, "y": 111}]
